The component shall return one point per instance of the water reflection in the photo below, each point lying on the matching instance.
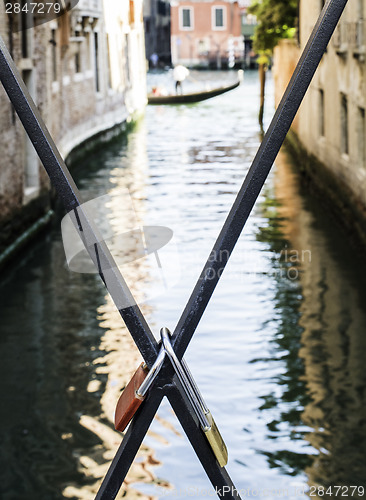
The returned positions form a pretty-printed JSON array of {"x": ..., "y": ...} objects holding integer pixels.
[
  {"x": 69, "y": 356},
  {"x": 320, "y": 336},
  {"x": 288, "y": 398},
  {"x": 118, "y": 355}
]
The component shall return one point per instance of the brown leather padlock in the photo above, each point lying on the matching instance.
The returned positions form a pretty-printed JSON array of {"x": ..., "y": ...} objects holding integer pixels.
[
  {"x": 130, "y": 400},
  {"x": 135, "y": 392}
]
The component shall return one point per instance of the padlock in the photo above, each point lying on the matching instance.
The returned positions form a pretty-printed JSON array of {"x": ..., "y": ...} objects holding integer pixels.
[
  {"x": 212, "y": 433},
  {"x": 204, "y": 416},
  {"x": 135, "y": 392}
]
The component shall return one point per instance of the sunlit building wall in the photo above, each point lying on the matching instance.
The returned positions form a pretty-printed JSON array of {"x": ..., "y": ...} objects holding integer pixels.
[
  {"x": 331, "y": 122},
  {"x": 126, "y": 52}
]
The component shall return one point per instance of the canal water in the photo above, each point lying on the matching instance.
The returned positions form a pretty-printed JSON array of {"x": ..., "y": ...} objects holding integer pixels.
[{"x": 279, "y": 354}]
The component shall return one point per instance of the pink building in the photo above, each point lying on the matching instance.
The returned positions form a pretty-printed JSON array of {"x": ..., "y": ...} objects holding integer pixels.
[{"x": 206, "y": 33}]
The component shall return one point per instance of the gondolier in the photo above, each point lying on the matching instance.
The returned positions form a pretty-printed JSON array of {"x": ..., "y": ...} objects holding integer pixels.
[{"x": 180, "y": 73}]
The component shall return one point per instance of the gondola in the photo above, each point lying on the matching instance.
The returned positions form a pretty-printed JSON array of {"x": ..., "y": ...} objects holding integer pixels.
[{"x": 192, "y": 97}]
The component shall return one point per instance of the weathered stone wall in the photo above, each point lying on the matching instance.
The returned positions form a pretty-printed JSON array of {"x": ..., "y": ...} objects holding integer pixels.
[
  {"x": 331, "y": 123},
  {"x": 86, "y": 73},
  {"x": 323, "y": 127},
  {"x": 14, "y": 216},
  {"x": 11, "y": 180}
]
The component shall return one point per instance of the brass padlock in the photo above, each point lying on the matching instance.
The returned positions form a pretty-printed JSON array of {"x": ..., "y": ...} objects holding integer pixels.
[
  {"x": 204, "y": 416},
  {"x": 216, "y": 441},
  {"x": 135, "y": 392}
]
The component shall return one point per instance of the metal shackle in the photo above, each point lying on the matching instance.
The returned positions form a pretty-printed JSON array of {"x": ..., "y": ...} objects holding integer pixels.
[
  {"x": 195, "y": 387},
  {"x": 186, "y": 379},
  {"x": 153, "y": 373},
  {"x": 201, "y": 410}
]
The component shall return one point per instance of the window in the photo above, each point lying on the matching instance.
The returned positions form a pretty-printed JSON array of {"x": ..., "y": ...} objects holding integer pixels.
[
  {"x": 361, "y": 136},
  {"x": 54, "y": 55},
  {"x": 24, "y": 35},
  {"x": 78, "y": 54},
  {"x": 321, "y": 113},
  {"x": 127, "y": 60},
  {"x": 108, "y": 43},
  {"x": 31, "y": 166},
  {"x": 344, "y": 124},
  {"x": 186, "y": 18},
  {"x": 88, "y": 56},
  {"x": 360, "y": 8},
  {"x": 360, "y": 24},
  {"x": 26, "y": 22},
  {"x": 218, "y": 18},
  {"x": 96, "y": 62}
]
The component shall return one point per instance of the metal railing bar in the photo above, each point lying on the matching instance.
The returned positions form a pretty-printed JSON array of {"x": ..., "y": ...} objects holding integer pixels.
[
  {"x": 129, "y": 446},
  {"x": 257, "y": 174},
  {"x": 69, "y": 194},
  {"x": 219, "y": 477},
  {"x": 137, "y": 430}
]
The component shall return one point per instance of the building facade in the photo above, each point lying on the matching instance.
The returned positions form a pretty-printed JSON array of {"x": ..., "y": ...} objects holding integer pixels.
[
  {"x": 86, "y": 72},
  {"x": 206, "y": 33},
  {"x": 331, "y": 123},
  {"x": 157, "y": 24},
  {"x": 248, "y": 24}
]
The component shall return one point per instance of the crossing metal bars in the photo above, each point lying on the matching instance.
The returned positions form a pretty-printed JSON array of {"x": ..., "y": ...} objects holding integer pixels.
[{"x": 166, "y": 383}]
